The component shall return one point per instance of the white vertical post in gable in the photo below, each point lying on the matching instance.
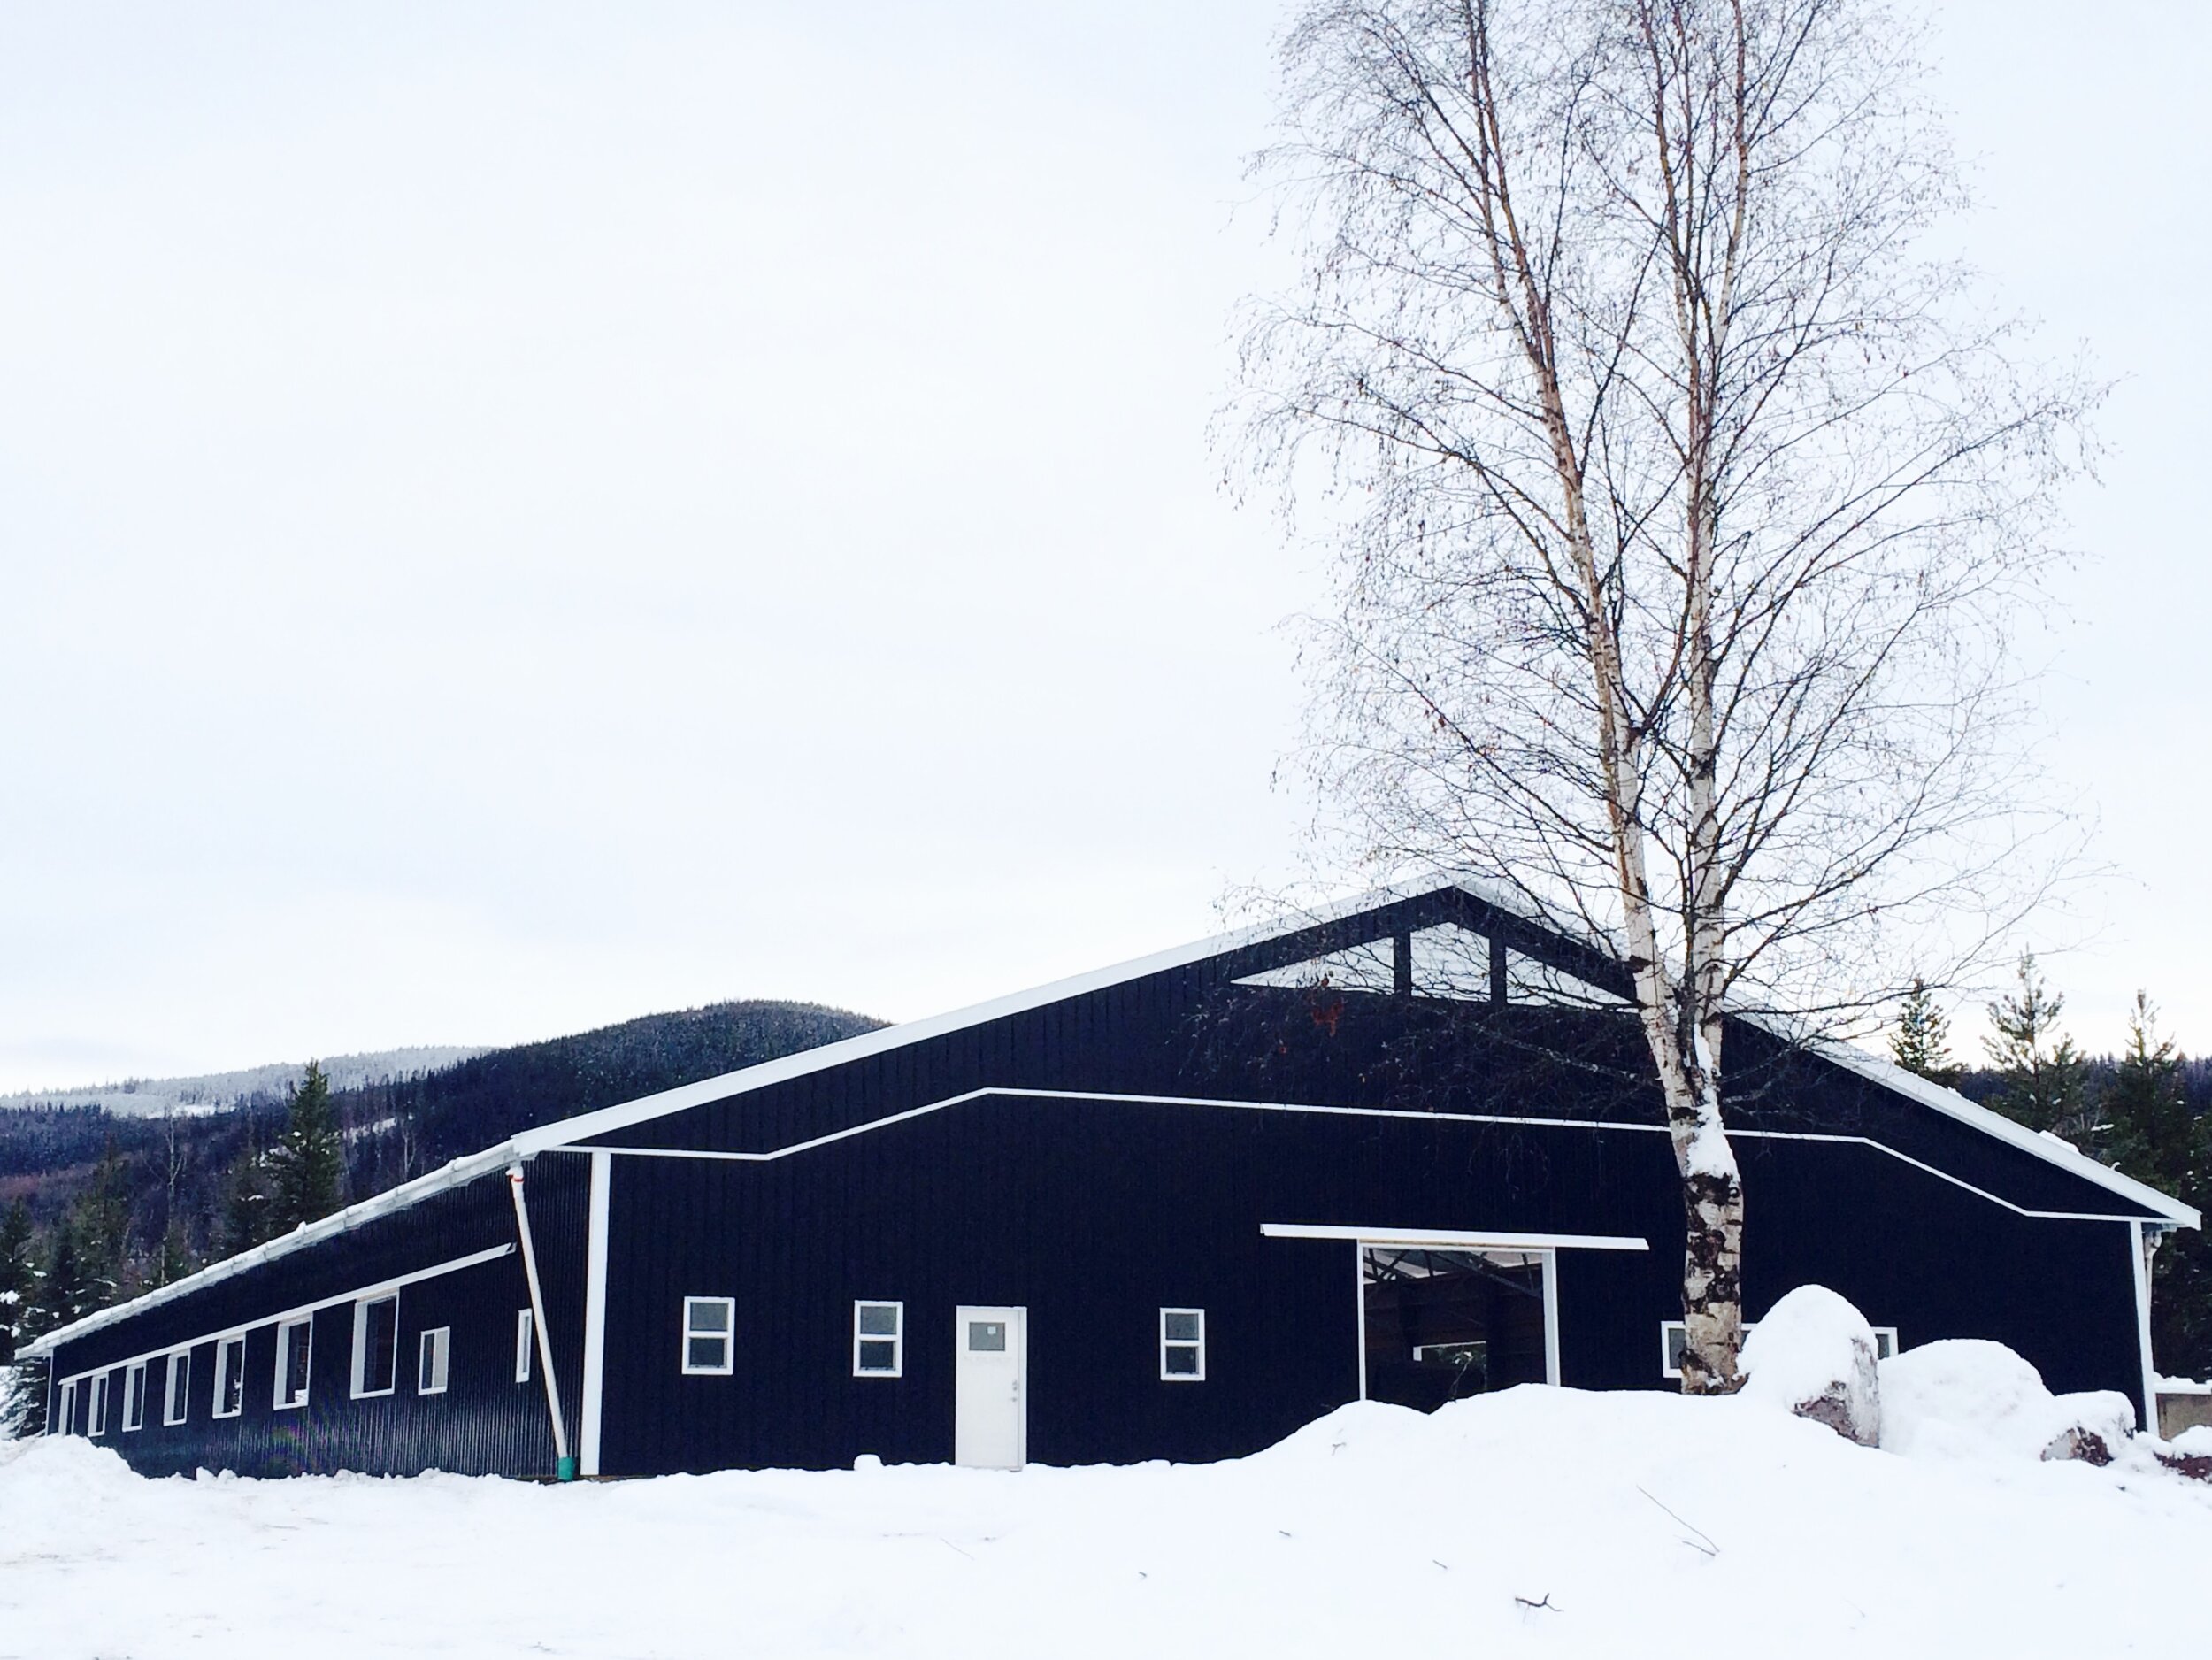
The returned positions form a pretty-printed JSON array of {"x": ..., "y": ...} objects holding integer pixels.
[{"x": 594, "y": 1315}]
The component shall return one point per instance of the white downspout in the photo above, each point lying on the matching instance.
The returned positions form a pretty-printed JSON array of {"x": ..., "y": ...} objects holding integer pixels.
[
  {"x": 564, "y": 1466},
  {"x": 2145, "y": 1242}
]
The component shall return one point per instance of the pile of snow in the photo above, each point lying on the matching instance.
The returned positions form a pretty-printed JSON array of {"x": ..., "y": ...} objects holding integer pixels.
[
  {"x": 1537, "y": 1521},
  {"x": 1814, "y": 1354},
  {"x": 1966, "y": 1399}
]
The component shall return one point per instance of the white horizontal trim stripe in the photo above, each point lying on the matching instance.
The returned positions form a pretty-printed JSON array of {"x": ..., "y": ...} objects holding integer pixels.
[
  {"x": 305, "y": 1308},
  {"x": 459, "y": 1174},
  {"x": 1448, "y": 1238},
  {"x": 1848, "y": 1057},
  {"x": 1353, "y": 1112}
]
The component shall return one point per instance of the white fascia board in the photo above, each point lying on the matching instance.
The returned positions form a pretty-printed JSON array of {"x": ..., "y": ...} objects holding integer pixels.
[
  {"x": 2050, "y": 1149},
  {"x": 623, "y": 1114},
  {"x": 1948, "y": 1102},
  {"x": 458, "y": 1173}
]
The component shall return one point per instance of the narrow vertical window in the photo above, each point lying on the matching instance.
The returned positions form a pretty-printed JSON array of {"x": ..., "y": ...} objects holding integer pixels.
[
  {"x": 134, "y": 1397},
  {"x": 65, "y": 1420},
  {"x": 430, "y": 1369},
  {"x": 230, "y": 1376},
  {"x": 1183, "y": 1345},
  {"x": 708, "y": 1334},
  {"x": 375, "y": 1346},
  {"x": 294, "y": 1357},
  {"x": 177, "y": 1396},
  {"x": 879, "y": 1339},
  {"x": 525, "y": 1343},
  {"x": 100, "y": 1404}
]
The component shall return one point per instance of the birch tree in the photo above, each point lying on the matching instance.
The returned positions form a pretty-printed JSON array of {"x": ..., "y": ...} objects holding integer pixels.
[{"x": 1681, "y": 508}]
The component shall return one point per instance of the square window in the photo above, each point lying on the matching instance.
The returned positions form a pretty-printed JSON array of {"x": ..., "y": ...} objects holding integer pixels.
[
  {"x": 295, "y": 1349},
  {"x": 100, "y": 1404},
  {"x": 879, "y": 1339},
  {"x": 230, "y": 1376},
  {"x": 431, "y": 1366},
  {"x": 525, "y": 1343},
  {"x": 134, "y": 1397},
  {"x": 987, "y": 1337},
  {"x": 1182, "y": 1345},
  {"x": 178, "y": 1397},
  {"x": 375, "y": 1346},
  {"x": 710, "y": 1329}
]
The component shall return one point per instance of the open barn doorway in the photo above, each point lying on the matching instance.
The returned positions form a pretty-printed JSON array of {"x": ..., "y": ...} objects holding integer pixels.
[{"x": 1438, "y": 1324}]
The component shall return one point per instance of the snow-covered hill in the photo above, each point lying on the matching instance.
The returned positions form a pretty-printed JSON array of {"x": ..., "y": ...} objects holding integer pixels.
[
  {"x": 1540, "y": 1522},
  {"x": 150, "y": 1098}
]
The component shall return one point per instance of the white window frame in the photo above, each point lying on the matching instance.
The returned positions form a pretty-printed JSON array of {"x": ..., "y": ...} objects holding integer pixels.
[
  {"x": 525, "y": 1343},
  {"x": 1885, "y": 1343},
  {"x": 66, "y": 1415},
  {"x": 1197, "y": 1346},
  {"x": 230, "y": 1365},
  {"x": 176, "y": 1387},
  {"x": 728, "y": 1336},
  {"x": 97, "y": 1423},
  {"x": 434, "y": 1353},
  {"x": 134, "y": 1397},
  {"x": 279, "y": 1402},
  {"x": 895, "y": 1337},
  {"x": 361, "y": 1307}
]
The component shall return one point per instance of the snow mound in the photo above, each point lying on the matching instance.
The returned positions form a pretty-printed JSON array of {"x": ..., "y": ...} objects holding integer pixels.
[
  {"x": 1965, "y": 1398},
  {"x": 1814, "y": 1354},
  {"x": 2194, "y": 1442},
  {"x": 1533, "y": 1522}
]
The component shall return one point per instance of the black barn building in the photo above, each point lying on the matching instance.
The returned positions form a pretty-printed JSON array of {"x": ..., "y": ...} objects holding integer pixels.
[{"x": 1172, "y": 1210}]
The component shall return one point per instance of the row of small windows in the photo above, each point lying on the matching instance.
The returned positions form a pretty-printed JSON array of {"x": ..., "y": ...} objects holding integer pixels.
[
  {"x": 375, "y": 1369},
  {"x": 709, "y": 1340}
]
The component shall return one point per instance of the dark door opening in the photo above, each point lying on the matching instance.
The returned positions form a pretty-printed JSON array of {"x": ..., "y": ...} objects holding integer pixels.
[{"x": 1439, "y": 1324}]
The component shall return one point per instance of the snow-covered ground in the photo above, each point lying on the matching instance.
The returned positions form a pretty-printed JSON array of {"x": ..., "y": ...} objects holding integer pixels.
[{"x": 1635, "y": 1524}]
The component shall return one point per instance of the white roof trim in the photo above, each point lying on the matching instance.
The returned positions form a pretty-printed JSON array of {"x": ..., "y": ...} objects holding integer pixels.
[
  {"x": 459, "y": 1172},
  {"x": 623, "y": 1114},
  {"x": 2049, "y": 1148},
  {"x": 1849, "y": 1056}
]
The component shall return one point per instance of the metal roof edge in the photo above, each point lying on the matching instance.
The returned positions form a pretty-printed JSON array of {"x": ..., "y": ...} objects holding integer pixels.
[
  {"x": 2050, "y": 1149},
  {"x": 458, "y": 1173},
  {"x": 622, "y": 1115}
]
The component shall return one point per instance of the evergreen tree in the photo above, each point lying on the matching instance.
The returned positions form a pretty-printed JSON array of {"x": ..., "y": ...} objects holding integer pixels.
[
  {"x": 1921, "y": 1043},
  {"x": 66, "y": 1293},
  {"x": 2042, "y": 1078},
  {"x": 2157, "y": 1138},
  {"x": 308, "y": 1161},
  {"x": 246, "y": 1201},
  {"x": 18, "y": 1277},
  {"x": 103, "y": 1231}
]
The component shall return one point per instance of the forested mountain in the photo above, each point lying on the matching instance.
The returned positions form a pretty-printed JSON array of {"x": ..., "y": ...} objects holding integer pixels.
[{"x": 264, "y": 1086}]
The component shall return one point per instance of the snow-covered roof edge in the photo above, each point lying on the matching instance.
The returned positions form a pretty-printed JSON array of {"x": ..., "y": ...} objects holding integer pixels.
[
  {"x": 2048, "y": 1148},
  {"x": 458, "y": 1173},
  {"x": 567, "y": 1131},
  {"x": 1848, "y": 1056}
]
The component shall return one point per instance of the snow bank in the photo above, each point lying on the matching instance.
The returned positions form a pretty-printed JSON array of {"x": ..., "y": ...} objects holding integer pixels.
[
  {"x": 1533, "y": 1522},
  {"x": 1814, "y": 1354},
  {"x": 1967, "y": 1399}
]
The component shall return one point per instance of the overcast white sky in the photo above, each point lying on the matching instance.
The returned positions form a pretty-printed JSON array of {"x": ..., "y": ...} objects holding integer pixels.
[{"x": 518, "y": 515}]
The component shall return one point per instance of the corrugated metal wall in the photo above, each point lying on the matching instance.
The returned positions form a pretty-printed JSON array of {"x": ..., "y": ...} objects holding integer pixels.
[{"x": 484, "y": 1421}]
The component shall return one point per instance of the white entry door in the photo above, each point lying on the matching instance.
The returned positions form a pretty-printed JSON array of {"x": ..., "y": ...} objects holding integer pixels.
[{"x": 991, "y": 1392}]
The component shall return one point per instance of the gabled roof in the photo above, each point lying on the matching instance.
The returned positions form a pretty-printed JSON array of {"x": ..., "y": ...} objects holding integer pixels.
[
  {"x": 2050, "y": 1149},
  {"x": 569, "y": 1132}
]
